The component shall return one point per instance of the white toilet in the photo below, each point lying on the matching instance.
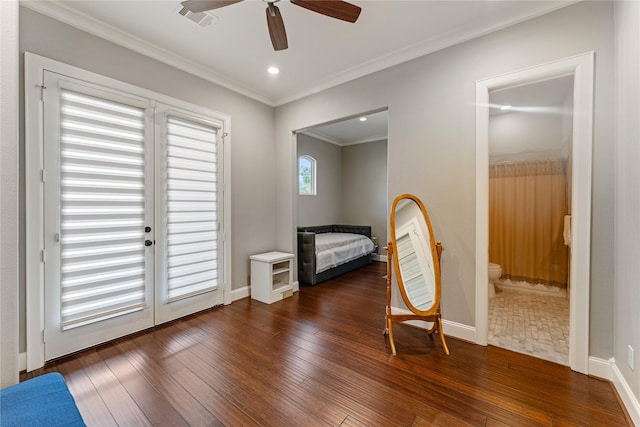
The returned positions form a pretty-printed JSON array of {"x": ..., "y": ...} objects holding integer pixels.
[{"x": 495, "y": 271}]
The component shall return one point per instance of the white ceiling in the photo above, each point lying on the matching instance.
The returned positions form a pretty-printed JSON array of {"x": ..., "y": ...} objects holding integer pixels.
[
  {"x": 545, "y": 96},
  {"x": 235, "y": 50},
  {"x": 352, "y": 130}
]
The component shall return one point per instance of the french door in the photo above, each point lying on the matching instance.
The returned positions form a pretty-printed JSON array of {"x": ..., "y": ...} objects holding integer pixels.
[{"x": 131, "y": 224}]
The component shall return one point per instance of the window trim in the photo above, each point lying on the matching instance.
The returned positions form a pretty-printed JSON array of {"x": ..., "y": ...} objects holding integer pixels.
[
  {"x": 34, "y": 68},
  {"x": 314, "y": 181}
]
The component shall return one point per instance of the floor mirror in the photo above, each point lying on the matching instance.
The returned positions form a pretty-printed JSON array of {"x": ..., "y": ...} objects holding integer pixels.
[{"x": 414, "y": 255}]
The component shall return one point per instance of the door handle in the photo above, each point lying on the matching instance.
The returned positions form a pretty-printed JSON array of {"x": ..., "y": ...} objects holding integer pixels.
[{"x": 148, "y": 243}]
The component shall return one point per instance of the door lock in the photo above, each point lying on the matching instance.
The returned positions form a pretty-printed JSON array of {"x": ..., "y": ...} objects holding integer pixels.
[{"x": 147, "y": 229}]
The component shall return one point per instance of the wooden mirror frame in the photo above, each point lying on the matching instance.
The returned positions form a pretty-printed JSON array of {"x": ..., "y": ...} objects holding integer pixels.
[{"x": 433, "y": 313}]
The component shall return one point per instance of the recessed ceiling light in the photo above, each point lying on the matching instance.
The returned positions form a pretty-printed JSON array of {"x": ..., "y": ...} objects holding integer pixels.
[
  {"x": 273, "y": 70},
  {"x": 363, "y": 119},
  {"x": 505, "y": 107}
]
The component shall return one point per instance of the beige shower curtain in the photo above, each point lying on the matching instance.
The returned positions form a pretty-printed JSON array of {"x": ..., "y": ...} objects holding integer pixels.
[{"x": 527, "y": 204}]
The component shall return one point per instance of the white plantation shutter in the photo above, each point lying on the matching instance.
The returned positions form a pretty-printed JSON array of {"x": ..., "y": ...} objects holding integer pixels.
[
  {"x": 192, "y": 208},
  {"x": 102, "y": 209}
]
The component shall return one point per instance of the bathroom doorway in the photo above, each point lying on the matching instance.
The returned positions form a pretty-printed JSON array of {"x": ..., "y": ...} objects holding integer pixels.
[
  {"x": 581, "y": 67},
  {"x": 530, "y": 137}
]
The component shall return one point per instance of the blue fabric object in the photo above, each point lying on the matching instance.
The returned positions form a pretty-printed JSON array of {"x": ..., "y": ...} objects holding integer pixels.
[{"x": 40, "y": 401}]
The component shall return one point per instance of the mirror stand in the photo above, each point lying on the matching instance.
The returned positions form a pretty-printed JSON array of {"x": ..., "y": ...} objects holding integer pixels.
[{"x": 435, "y": 318}]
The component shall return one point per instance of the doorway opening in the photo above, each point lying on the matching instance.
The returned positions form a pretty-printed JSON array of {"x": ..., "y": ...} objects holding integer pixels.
[
  {"x": 580, "y": 68},
  {"x": 340, "y": 175},
  {"x": 530, "y": 135}
]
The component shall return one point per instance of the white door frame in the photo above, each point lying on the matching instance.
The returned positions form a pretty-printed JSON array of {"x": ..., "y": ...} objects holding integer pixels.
[{"x": 581, "y": 67}]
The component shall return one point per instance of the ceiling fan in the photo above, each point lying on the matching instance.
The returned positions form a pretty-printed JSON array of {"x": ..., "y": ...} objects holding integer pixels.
[{"x": 334, "y": 9}]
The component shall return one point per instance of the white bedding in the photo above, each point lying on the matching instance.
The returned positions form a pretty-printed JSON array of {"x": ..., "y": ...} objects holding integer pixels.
[{"x": 333, "y": 249}]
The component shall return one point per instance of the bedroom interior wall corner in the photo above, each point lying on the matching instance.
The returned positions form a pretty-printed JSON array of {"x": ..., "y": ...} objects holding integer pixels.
[{"x": 364, "y": 197}]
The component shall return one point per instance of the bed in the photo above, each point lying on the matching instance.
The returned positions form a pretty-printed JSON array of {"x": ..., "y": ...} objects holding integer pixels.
[{"x": 327, "y": 251}]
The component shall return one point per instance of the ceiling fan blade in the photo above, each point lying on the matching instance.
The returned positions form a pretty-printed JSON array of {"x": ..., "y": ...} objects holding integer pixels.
[
  {"x": 196, "y": 6},
  {"x": 276, "y": 28},
  {"x": 335, "y": 9}
]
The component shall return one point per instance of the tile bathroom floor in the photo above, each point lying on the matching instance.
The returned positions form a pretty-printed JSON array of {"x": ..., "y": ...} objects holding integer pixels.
[{"x": 530, "y": 323}]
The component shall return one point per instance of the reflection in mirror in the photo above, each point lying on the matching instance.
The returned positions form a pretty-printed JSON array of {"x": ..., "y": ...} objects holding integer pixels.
[
  {"x": 416, "y": 260},
  {"x": 414, "y": 255}
]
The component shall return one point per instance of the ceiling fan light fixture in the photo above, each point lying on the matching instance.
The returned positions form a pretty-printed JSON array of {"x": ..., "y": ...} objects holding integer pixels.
[{"x": 332, "y": 8}]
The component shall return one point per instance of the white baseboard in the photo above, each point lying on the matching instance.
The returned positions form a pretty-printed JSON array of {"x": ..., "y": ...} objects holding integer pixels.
[
  {"x": 600, "y": 368},
  {"x": 459, "y": 330},
  {"x": 608, "y": 370},
  {"x": 451, "y": 329},
  {"x": 380, "y": 258},
  {"x": 629, "y": 400},
  {"x": 245, "y": 292},
  {"x": 240, "y": 293}
]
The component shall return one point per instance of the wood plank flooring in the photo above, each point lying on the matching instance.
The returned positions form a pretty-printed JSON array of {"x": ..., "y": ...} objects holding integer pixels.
[{"x": 319, "y": 358}]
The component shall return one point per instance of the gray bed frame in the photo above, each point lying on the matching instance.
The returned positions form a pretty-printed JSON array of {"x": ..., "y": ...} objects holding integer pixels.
[{"x": 307, "y": 255}]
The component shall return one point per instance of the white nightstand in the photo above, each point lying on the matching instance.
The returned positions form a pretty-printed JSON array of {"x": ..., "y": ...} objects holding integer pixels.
[{"x": 271, "y": 276}]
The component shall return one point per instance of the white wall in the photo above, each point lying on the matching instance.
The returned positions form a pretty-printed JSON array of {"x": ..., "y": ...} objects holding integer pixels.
[
  {"x": 326, "y": 206},
  {"x": 9, "y": 190},
  {"x": 431, "y": 103},
  {"x": 626, "y": 315},
  {"x": 251, "y": 136}
]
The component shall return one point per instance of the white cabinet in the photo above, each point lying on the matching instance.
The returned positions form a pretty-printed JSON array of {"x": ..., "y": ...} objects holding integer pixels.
[{"x": 271, "y": 276}]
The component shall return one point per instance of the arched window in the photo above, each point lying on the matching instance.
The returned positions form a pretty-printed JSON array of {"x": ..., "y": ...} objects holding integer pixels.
[{"x": 307, "y": 175}]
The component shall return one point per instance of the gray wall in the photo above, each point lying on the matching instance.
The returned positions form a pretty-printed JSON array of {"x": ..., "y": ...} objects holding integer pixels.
[
  {"x": 627, "y": 206},
  {"x": 252, "y": 129},
  {"x": 364, "y": 194},
  {"x": 325, "y": 207},
  {"x": 431, "y": 103}
]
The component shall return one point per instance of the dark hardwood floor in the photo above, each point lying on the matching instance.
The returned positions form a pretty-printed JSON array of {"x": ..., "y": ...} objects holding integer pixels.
[{"x": 319, "y": 358}]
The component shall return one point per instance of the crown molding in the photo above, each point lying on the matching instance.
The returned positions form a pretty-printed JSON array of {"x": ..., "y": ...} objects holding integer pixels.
[
  {"x": 373, "y": 138},
  {"x": 451, "y": 38},
  {"x": 83, "y": 22},
  {"x": 63, "y": 13},
  {"x": 340, "y": 143},
  {"x": 324, "y": 138}
]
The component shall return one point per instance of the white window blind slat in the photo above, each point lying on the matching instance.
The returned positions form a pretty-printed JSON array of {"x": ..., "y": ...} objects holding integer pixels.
[
  {"x": 198, "y": 196},
  {"x": 102, "y": 209},
  {"x": 188, "y": 249},
  {"x": 178, "y": 260},
  {"x": 192, "y": 228},
  {"x": 197, "y": 237}
]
